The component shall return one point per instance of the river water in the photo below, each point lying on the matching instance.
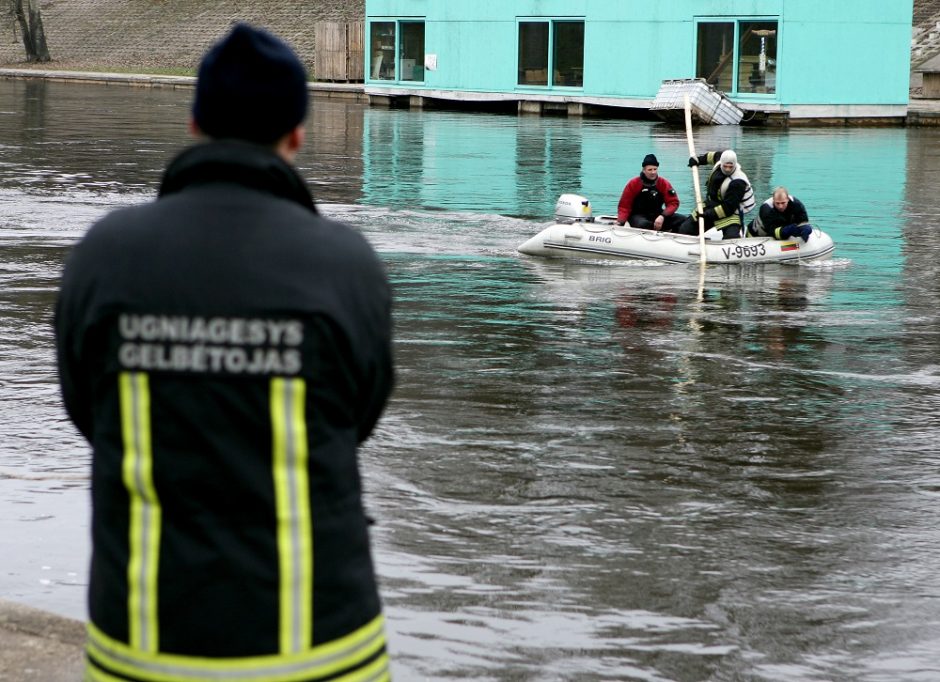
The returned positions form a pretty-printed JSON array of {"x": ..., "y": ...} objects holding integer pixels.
[{"x": 587, "y": 471}]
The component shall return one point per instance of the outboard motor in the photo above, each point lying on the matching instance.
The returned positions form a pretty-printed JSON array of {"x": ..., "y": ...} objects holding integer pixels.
[{"x": 572, "y": 208}]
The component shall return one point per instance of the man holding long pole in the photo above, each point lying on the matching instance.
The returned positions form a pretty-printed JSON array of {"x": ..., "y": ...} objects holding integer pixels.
[{"x": 728, "y": 195}]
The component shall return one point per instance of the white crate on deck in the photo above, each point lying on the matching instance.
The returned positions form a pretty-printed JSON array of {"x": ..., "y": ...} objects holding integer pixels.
[{"x": 708, "y": 104}]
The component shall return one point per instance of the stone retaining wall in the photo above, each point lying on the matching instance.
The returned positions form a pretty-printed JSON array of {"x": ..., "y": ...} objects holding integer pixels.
[{"x": 136, "y": 34}]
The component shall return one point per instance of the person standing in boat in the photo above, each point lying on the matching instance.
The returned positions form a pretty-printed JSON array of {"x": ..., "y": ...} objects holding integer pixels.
[
  {"x": 728, "y": 195},
  {"x": 649, "y": 200},
  {"x": 782, "y": 216},
  {"x": 224, "y": 349}
]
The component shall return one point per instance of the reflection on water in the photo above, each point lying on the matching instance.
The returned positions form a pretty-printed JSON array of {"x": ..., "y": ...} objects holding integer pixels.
[{"x": 588, "y": 471}]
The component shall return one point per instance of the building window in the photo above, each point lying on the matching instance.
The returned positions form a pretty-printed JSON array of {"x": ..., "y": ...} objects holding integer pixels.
[
  {"x": 563, "y": 40},
  {"x": 568, "y": 54},
  {"x": 533, "y": 53},
  {"x": 738, "y": 57},
  {"x": 382, "y": 42},
  {"x": 404, "y": 38},
  {"x": 411, "y": 65},
  {"x": 757, "y": 57}
]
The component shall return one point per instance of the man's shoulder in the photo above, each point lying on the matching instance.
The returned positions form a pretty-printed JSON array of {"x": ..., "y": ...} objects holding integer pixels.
[
  {"x": 338, "y": 232},
  {"x": 315, "y": 238},
  {"x": 118, "y": 223},
  {"x": 172, "y": 219}
]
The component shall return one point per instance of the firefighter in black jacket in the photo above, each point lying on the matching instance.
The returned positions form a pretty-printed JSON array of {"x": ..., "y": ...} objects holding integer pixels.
[
  {"x": 224, "y": 350},
  {"x": 782, "y": 216},
  {"x": 728, "y": 195}
]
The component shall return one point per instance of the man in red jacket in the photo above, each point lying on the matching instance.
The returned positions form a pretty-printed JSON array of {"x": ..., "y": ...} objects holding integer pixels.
[{"x": 649, "y": 201}]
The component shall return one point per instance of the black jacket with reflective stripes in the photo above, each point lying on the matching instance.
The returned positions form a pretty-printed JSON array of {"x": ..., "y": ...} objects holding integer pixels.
[
  {"x": 769, "y": 220},
  {"x": 224, "y": 350}
]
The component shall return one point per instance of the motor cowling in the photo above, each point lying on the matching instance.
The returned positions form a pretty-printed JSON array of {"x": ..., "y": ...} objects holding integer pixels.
[{"x": 573, "y": 208}]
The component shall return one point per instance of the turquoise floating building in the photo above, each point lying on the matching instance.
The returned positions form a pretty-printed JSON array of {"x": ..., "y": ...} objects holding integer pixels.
[{"x": 778, "y": 60}]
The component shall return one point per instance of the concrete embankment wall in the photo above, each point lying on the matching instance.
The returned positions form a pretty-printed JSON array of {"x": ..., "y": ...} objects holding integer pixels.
[
  {"x": 40, "y": 646},
  {"x": 142, "y": 34}
]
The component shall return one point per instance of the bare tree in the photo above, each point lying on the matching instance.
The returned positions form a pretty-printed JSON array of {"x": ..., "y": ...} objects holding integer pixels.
[{"x": 27, "y": 15}]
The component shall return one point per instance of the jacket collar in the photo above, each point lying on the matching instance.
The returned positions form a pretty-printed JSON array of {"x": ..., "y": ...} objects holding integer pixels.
[{"x": 237, "y": 162}]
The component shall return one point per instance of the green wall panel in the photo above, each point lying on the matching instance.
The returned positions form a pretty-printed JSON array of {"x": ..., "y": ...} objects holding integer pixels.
[{"x": 831, "y": 53}]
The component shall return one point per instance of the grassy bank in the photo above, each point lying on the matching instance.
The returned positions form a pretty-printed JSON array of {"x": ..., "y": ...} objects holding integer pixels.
[{"x": 92, "y": 67}]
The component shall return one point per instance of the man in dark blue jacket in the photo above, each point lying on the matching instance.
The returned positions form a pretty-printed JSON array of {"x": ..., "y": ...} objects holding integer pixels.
[
  {"x": 224, "y": 349},
  {"x": 782, "y": 216}
]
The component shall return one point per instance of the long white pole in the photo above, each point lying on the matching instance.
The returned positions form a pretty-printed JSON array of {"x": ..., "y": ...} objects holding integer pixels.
[{"x": 698, "y": 191}]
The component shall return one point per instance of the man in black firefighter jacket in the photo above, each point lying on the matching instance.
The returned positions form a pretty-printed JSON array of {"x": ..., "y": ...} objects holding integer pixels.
[
  {"x": 782, "y": 216},
  {"x": 225, "y": 349}
]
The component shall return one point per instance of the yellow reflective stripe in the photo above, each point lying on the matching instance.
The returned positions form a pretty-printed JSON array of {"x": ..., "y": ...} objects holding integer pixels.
[
  {"x": 732, "y": 219},
  {"x": 93, "y": 674},
  {"x": 322, "y": 661},
  {"x": 294, "y": 525},
  {"x": 377, "y": 671},
  {"x": 145, "y": 513}
]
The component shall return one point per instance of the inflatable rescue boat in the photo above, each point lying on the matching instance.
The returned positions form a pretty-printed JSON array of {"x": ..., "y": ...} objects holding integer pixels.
[{"x": 579, "y": 235}]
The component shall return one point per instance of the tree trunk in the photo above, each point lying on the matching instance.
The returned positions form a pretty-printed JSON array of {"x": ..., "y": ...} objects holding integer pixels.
[{"x": 34, "y": 36}]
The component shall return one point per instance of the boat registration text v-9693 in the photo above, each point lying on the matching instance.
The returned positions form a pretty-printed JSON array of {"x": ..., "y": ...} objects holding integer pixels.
[{"x": 743, "y": 251}]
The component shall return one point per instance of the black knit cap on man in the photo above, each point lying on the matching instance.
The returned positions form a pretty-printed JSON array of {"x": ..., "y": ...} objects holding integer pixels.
[
  {"x": 250, "y": 86},
  {"x": 224, "y": 349}
]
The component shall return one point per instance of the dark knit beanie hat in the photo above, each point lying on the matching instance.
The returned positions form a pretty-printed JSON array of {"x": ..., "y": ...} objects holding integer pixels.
[
  {"x": 251, "y": 86},
  {"x": 650, "y": 160}
]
